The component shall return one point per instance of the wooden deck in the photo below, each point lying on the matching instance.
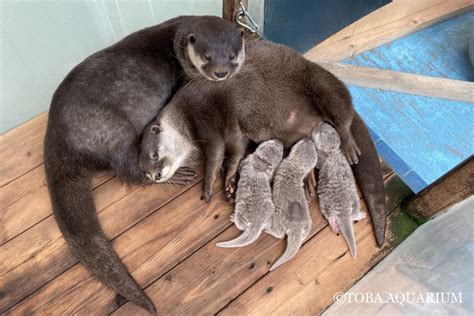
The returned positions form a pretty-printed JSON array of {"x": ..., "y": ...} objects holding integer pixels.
[{"x": 166, "y": 236}]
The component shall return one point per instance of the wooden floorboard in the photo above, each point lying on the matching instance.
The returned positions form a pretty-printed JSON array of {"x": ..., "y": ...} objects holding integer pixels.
[
  {"x": 40, "y": 254},
  {"x": 25, "y": 202},
  {"x": 21, "y": 149}
]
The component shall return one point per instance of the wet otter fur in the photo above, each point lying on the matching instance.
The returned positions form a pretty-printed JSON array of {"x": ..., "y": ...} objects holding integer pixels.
[
  {"x": 276, "y": 95},
  {"x": 99, "y": 112}
]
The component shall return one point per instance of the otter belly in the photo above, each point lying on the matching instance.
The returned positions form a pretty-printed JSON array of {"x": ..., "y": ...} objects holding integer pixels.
[{"x": 285, "y": 122}]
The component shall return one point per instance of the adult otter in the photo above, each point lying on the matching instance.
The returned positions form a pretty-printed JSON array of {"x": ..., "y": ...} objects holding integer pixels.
[
  {"x": 99, "y": 112},
  {"x": 277, "y": 95}
]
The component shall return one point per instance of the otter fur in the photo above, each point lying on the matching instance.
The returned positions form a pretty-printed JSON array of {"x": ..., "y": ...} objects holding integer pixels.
[
  {"x": 291, "y": 217},
  {"x": 277, "y": 94},
  {"x": 337, "y": 191},
  {"x": 99, "y": 112},
  {"x": 254, "y": 206}
]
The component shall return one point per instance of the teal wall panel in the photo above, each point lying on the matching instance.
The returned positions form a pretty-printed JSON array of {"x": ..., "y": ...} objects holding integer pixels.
[{"x": 41, "y": 41}]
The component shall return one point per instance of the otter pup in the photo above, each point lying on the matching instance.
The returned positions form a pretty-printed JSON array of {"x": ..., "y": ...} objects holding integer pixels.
[
  {"x": 277, "y": 94},
  {"x": 337, "y": 191},
  {"x": 99, "y": 112},
  {"x": 291, "y": 215},
  {"x": 254, "y": 206}
]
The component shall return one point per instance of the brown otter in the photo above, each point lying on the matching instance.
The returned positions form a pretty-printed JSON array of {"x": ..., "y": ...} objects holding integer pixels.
[
  {"x": 99, "y": 112},
  {"x": 277, "y": 95}
]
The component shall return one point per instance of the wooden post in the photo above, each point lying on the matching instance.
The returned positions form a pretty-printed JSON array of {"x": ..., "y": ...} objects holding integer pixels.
[{"x": 229, "y": 7}]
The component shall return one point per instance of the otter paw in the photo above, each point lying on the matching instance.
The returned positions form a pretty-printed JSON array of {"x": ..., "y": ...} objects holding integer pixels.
[
  {"x": 206, "y": 196},
  {"x": 230, "y": 188},
  {"x": 351, "y": 151},
  {"x": 183, "y": 176}
]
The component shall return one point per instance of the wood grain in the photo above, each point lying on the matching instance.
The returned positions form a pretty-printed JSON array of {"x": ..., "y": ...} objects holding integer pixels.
[
  {"x": 455, "y": 90},
  {"x": 149, "y": 249},
  {"x": 25, "y": 202},
  {"x": 395, "y": 10},
  {"x": 388, "y": 32},
  {"x": 454, "y": 187},
  {"x": 42, "y": 248},
  {"x": 21, "y": 149},
  {"x": 306, "y": 286},
  {"x": 212, "y": 277}
]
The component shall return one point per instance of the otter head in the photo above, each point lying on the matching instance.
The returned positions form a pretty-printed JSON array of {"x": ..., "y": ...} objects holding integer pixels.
[
  {"x": 326, "y": 138},
  {"x": 304, "y": 155},
  {"x": 210, "y": 47},
  {"x": 163, "y": 150},
  {"x": 267, "y": 156}
]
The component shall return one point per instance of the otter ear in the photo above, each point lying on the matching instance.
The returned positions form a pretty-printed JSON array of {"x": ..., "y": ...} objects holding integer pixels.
[
  {"x": 192, "y": 38},
  {"x": 155, "y": 129}
]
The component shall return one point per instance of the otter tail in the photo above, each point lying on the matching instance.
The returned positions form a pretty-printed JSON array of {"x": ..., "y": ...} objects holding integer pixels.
[
  {"x": 368, "y": 175},
  {"x": 250, "y": 234},
  {"x": 75, "y": 213},
  {"x": 347, "y": 230},
  {"x": 294, "y": 242}
]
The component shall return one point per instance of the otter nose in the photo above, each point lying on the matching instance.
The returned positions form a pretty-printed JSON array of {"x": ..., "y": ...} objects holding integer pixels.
[
  {"x": 157, "y": 176},
  {"x": 220, "y": 74}
]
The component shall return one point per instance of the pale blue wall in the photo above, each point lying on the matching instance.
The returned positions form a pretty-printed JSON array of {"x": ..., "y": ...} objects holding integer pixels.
[{"x": 41, "y": 41}]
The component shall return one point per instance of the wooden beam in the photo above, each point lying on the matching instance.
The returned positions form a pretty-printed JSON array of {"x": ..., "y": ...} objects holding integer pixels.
[
  {"x": 366, "y": 77},
  {"x": 452, "y": 188},
  {"x": 375, "y": 37}
]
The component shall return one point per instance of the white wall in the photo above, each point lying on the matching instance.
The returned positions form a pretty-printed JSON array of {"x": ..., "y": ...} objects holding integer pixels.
[{"x": 42, "y": 40}]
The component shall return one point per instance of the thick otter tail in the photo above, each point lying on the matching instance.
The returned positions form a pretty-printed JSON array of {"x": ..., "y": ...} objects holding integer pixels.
[
  {"x": 75, "y": 213},
  {"x": 294, "y": 242},
  {"x": 347, "y": 229},
  {"x": 368, "y": 175},
  {"x": 250, "y": 234}
]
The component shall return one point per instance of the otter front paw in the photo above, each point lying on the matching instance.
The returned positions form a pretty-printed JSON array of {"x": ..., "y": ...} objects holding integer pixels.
[
  {"x": 207, "y": 194},
  {"x": 351, "y": 151},
  {"x": 183, "y": 176},
  {"x": 230, "y": 188}
]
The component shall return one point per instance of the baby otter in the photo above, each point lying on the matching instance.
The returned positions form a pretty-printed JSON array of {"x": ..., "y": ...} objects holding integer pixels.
[
  {"x": 338, "y": 198},
  {"x": 291, "y": 215},
  {"x": 254, "y": 206},
  {"x": 99, "y": 112},
  {"x": 276, "y": 95}
]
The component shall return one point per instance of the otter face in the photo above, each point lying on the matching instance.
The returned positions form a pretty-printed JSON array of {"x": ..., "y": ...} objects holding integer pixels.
[
  {"x": 326, "y": 138},
  {"x": 159, "y": 155},
  {"x": 270, "y": 153},
  {"x": 305, "y": 151},
  {"x": 215, "y": 53}
]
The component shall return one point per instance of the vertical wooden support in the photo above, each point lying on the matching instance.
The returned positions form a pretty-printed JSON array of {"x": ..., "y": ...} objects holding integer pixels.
[{"x": 229, "y": 7}]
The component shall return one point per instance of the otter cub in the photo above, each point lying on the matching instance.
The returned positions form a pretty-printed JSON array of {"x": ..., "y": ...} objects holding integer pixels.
[
  {"x": 254, "y": 206},
  {"x": 277, "y": 94},
  {"x": 99, "y": 112},
  {"x": 337, "y": 191},
  {"x": 291, "y": 215}
]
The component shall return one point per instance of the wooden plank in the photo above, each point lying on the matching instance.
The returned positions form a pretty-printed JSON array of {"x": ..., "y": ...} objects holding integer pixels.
[
  {"x": 324, "y": 267},
  {"x": 229, "y": 7},
  {"x": 366, "y": 77},
  {"x": 454, "y": 187},
  {"x": 395, "y": 10},
  {"x": 42, "y": 248},
  {"x": 212, "y": 277},
  {"x": 374, "y": 37},
  {"x": 25, "y": 202},
  {"x": 21, "y": 149},
  {"x": 149, "y": 249}
]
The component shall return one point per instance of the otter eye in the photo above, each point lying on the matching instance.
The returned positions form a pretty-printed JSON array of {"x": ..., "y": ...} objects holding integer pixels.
[
  {"x": 155, "y": 129},
  {"x": 192, "y": 38},
  {"x": 242, "y": 33},
  {"x": 207, "y": 56},
  {"x": 232, "y": 56},
  {"x": 154, "y": 156}
]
